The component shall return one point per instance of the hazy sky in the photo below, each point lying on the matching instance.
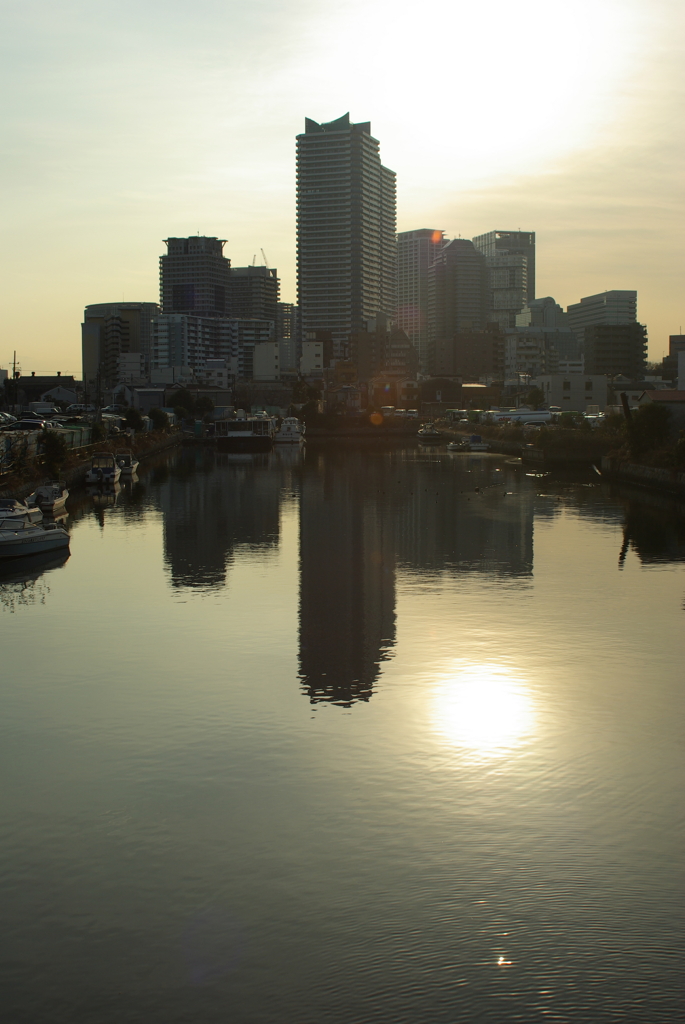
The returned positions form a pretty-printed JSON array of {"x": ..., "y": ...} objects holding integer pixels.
[{"x": 125, "y": 122}]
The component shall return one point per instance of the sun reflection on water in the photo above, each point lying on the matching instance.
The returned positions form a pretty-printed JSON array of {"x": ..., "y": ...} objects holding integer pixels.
[{"x": 484, "y": 709}]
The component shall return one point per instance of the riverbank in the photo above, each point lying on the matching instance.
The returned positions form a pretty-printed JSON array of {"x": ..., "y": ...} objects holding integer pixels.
[{"x": 21, "y": 484}]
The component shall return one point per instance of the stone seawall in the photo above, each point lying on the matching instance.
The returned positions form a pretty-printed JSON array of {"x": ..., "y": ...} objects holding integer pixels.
[{"x": 671, "y": 480}]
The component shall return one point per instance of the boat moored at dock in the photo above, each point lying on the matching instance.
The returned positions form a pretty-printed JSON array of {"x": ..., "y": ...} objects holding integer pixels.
[
  {"x": 245, "y": 434},
  {"x": 127, "y": 462},
  {"x": 15, "y": 511},
  {"x": 429, "y": 434},
  {"x": 291, "y": 431},
  {"x": 50, "y": 499},
  {"x": 104, "y": 469},
  {"x": 18, "y": 539}
]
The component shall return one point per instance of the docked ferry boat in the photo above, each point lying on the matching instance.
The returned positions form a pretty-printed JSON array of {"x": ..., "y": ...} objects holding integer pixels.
[{"x": 245, "y": 434}]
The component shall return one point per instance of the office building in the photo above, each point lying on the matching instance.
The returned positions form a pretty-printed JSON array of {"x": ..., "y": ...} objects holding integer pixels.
[
  {"x": 616, "y": 348},
  {"x": 254, "y": 293},
  {"x": 457, "y": 292},
  {"x": 614, "y": 307},
  {"x": 416, "y": 252},
  {"x": 346, "y": 248},
  {"x": 112, "y": 330},
  {"x": 194, "y": 277},
  {"x": 470, "y": 354},
  {"x": 574, "y": 392},
  {"x": 511, "y": 243}
]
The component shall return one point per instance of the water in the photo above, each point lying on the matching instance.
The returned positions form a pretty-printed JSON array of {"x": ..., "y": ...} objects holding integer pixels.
[{"x": 373, "y": 736}]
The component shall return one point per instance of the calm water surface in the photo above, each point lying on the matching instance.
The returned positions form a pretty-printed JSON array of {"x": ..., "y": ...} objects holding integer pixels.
[{"x": 360, "y": 736}]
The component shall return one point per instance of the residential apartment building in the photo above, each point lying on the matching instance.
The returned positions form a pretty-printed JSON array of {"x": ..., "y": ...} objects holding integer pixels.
[
  {"x": 194, "y": 277},
  {"x": 254, "y": 293},
  {"x": 416, "y": 252},
  {"x": 112, "y": 330},
  {"x": 288, "y": 335},
  {"x": 179, "y": 340},
  {"x": 346, "y": 247}
]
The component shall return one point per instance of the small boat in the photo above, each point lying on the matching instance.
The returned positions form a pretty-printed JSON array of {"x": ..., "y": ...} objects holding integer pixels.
[
  {"x": 50, "y": 499},
  {"x": 14, "y": 511},
  {"x": 18, "y": 539},
  {"x": 429, "y": 434},
  {"x": 104, "y": 469},
  {"x": 291, "y": 431},
  {"x": 127, "y": 462}
]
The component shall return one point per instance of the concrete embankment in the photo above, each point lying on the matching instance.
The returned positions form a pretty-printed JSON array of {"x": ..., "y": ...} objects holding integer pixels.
[
  {"x": 33, "y": 476},
  {"x": 671, "y": 481}
]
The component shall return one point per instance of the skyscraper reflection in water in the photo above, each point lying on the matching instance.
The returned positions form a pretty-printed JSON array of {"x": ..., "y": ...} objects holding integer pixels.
[
  {"x": 367, "y": 515},
  {"x": 347, "y": 575},
  {"x": 212, "y": 503}
]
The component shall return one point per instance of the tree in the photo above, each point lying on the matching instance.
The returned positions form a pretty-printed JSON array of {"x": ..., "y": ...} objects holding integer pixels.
[
  {"x": 651, "y": 426},
  {"x": 133, "y": 419},
  {"x": 160, "y": 420},
  {"x": 535, "y": 398},
  {"x": 183, "y": 398},
  {"x": 204, "y": 404},
  {"x": 55, "y": 451}
]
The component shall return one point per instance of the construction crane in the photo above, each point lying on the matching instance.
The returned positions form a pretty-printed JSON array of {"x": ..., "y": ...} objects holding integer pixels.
[{"x": 266, "y": 262}]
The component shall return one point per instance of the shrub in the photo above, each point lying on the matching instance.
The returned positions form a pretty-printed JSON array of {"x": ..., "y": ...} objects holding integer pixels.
[
  {"x": 203, "y": 405},
  {"x": 97, "y": 433},
  {"x": 651, "y": 426},
  {"x": 183, "y": 399}
]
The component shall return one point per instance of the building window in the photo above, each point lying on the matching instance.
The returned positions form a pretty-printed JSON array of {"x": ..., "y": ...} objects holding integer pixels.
[
  {"x": 567, "y": 385},
  {"x": 588, "y": 385}
]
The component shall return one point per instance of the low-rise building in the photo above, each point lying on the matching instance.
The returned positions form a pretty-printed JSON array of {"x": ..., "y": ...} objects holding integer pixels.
[
  {"x": 574, "y": 392},
  {"x": 266, "y": 361}
]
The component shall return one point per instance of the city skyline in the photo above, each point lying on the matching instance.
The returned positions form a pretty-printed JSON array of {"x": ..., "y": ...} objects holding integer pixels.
[{"x": 594, "y": 170}]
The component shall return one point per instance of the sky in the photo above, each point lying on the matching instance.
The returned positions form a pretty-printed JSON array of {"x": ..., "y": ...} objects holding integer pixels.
[{"x": 124, "y": 123}]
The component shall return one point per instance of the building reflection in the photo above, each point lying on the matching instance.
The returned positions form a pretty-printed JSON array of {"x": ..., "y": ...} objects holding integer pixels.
[
  {"x": 464, "y": 515},
  {"x": 347, "y": 576},
  {"x": 212, "y": 503},
  {"x": 654, "y": 528}
]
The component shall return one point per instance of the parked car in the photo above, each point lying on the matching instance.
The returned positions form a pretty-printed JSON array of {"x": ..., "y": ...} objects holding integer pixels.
[
  {"x": 7, "y": 417},
  {"x": 25, "y": 424},
  {"x": 114, "y": 409}
]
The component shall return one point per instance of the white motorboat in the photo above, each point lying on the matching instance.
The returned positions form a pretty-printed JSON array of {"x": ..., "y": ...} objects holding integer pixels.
[
  {"x": 104, "y": 469},
  {"x": 429, "y": 434},
  {"x": 291, "y": 431},
  {"x": 18, "y": 539},
  {"x": 49, "y": 498},
  {"x": 14, "y": 511},
  {"x": 127, "y": 462}
]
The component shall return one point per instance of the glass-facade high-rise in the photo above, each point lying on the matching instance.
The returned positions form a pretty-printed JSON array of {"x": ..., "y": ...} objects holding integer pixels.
[
  {"x": 346, "y": 248},
  {"x": 194, "y": 276},
  {"x": 416, "y": 253}
]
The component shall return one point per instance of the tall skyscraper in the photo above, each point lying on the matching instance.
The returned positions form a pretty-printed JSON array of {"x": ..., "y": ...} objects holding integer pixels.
[
  {"x": 194, "y": 276},
  {"x": 254, "y": 293},
  {"x": 346, "y": 248},
  {"x": 457, "y": 292},
  {"x": 416, "y": 252},
  {"x": 614, "y": 307}
]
